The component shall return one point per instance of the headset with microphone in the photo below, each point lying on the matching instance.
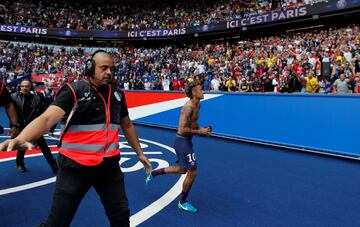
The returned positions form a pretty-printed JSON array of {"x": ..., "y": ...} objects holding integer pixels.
[{"x": 90, "y": 64}]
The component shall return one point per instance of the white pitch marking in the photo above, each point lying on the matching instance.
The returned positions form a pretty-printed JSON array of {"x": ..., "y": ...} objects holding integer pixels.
[
  {"x": 158, "y": 205},
  {"x": 146, "y": 213},
  {"x": 29, "y": 155},
  {"x": 27, "y": 186},
  {"x": 147, "y": 110}
]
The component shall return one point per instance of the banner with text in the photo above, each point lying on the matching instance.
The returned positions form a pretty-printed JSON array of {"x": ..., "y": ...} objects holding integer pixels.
[{"x": 270, "y": 17}]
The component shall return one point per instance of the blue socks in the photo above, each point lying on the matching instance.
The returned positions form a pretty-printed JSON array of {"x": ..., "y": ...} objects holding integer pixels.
[
  {"x": 183, "y": 196},
  {"x": 158, "y": 172}
]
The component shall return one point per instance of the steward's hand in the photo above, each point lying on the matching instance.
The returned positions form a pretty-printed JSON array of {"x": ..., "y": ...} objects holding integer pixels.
[
  {"x": 11, "y": 144},
  {"x": 145, "y": 161}
]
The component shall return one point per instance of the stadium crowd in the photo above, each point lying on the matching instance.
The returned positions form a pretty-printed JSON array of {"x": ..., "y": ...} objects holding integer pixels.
[
  {"x": 132, "y": 15},
  {"x": 325, "y": 61}
]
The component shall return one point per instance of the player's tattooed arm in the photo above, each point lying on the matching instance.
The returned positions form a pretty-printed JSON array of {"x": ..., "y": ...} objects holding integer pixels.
[{"x": 185, "y": 120}]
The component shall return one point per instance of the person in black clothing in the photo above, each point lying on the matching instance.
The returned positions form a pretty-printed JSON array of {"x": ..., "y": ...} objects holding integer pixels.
[
  {"x": 48, "y": 96},
  {"x": 257, "y": 85},
  {"x": 29, "y": 106},
  {"x": 267, "y": 83},
  {"x": 294, "y": 84},
  {"x": 139, "y": 85},
  {"x": 5, "y": 100},
  {"x": 357, "y": 64}
]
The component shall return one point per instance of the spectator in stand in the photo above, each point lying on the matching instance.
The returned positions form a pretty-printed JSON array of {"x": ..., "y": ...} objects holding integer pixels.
[
  {"x": 275, "y": 82},
  {"x": 283, "y": 84},
  {"x": 166, "y": 84},
  {"x": 357, "y": 84},
  {"x": 249, "y": 82},
  {"x": 243, "y": 85},
  {"x": 328, "y": 85},
  {"x": 139, "y": 85},
  {"x": 147, "y": 85},
  {"x": 311, "y": 83},
  {"x": 206, "y": 84},
  {"x": 322, "y": 85},
  {"x": 132, "y": 16},
  {"x": 132, "y": 84},
  {"x": 183, "y": 81},
  {"x": 357, "y": 64},
  {"x": 257, "y": 85},
  {"x": 286, "y": 54},
  {"x": 267, "y": 83},
  {"x": 126, "y": 85},
  {"x": 341, "y": 85},
  {"x": 294, "y": 83},
  {"x": 215, "y": 83},
  {"x": 157, "y": 84},
  {"x": 337, "y": 69},
  {"x": 230, "y": 84},
  {"x": 175, "y": 84}
]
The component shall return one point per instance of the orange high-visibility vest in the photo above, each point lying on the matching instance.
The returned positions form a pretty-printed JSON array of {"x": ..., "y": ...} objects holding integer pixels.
[{"x": 92, "y": 135}]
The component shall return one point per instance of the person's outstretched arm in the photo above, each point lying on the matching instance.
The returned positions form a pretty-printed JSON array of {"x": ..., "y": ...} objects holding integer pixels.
[{"x": 35, "y": 129}]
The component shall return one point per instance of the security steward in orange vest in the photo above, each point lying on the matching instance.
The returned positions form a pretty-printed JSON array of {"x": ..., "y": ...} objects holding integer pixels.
[{"x": 89, "y": 151}]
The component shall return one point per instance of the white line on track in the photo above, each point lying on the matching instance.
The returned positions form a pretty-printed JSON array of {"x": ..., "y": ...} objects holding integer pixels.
[{"x": 147, "y": 110}]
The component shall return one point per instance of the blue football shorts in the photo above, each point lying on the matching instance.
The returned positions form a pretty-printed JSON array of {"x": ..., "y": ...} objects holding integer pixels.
[{"x": 186, "y": 158}]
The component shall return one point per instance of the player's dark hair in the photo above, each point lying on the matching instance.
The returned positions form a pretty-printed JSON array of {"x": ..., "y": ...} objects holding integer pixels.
[{"x": 188, "y": 88}]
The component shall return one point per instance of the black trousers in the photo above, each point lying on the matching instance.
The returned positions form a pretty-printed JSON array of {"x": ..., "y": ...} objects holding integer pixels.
[
  {"x": 44, "y": 149},
  {"x": 72, "y": 185}
]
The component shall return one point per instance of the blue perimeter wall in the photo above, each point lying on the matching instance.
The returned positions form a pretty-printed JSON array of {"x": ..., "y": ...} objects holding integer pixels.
[{"x": 317, "y": 122}]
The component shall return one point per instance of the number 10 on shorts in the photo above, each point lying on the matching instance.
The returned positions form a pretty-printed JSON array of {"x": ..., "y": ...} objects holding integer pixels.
[{"x": 191, "y": 157}]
